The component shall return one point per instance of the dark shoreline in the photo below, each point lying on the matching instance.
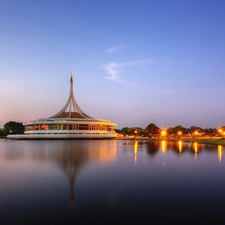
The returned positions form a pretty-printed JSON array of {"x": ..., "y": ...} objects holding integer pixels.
[{"x": 200, "y": 140}]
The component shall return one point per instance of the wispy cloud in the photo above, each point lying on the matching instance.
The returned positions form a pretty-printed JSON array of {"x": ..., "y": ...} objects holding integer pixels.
[
  {"x": 167, "y": 91},
  {"x": 115, "y": 49},
  {"x": 113, "y": 69}
]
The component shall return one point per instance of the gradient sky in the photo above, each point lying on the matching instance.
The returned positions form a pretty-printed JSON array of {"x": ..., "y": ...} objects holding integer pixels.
[{"x": 133, "y": 62}]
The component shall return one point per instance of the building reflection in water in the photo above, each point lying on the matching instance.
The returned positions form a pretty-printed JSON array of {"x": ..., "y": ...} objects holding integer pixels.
[
  {"x": 72, "y": 156},
  {"x": 75, "y": 155},
  {"x": 104, "y": 153}
]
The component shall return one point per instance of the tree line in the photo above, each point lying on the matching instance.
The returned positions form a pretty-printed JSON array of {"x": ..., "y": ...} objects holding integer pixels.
[{"x": 151, "y": 130}]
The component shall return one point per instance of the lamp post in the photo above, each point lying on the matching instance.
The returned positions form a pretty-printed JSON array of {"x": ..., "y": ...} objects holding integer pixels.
[
  {"x": 196, "y": 133},
  {"x": 221, "y": 132},
  {"x": 135, "y": 132},
  {"x": 163, "y": 133},
  {"x": 179, "y": 134}
]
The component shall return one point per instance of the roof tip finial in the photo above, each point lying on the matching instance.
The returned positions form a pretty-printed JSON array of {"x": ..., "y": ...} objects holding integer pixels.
[{"x": 71, "y": 77}]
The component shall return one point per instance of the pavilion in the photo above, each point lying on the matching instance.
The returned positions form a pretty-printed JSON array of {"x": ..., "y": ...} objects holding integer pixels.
[{"x": 71, "y": 122}]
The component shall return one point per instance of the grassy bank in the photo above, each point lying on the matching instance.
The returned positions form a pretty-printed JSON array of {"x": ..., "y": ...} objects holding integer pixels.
[
  {"x": 207, "y": 140},
  {"x": 201, "y": 140}
]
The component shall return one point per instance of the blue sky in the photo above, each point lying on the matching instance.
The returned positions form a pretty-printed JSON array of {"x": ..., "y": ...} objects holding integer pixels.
[{"x": 133, "y": 62}]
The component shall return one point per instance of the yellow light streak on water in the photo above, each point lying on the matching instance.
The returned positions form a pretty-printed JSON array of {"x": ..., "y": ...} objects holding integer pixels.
[{"x": 220, "y": 152}]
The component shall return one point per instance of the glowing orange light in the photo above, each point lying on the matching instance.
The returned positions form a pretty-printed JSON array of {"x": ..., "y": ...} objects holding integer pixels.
[
  {"x": 220, "y": 152},
  {"x": 163, "y": 146},
  {"x": 180, "y": 146},
  {"x": 163, "y": 133},
  {"x": 135, "y": 147},
  {"x": 135, "y": 150},
  {"x": 196, "y": 149}
]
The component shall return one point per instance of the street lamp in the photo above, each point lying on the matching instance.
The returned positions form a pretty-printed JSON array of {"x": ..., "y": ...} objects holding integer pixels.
[
  {"x": 196, "y": 133},
  {"x": 163, "y": 133},
  {"x": 220, "y": 132},
  {"x": 179, "y": 134}
]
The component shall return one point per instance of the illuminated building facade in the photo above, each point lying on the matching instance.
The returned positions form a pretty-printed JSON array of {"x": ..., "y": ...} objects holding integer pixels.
[{"x": 69, "y": 123}]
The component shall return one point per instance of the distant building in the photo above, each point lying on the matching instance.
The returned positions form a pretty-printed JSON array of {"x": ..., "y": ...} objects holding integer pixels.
[{"x": 69, "y": 123}]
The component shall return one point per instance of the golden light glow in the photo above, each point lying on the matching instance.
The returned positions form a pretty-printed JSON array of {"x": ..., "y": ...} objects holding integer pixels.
[
  {"x": 103, "y": 154},
  {"x": 135, "y": 147},
  {"x": 220, "y": 130},
  {"x": 180, "y": 143},
  {"x": 195, "y": 149},
  {"x": 163, "y": 133},
  {"x": 220, "y": 152},
  {"x": 196, "y": 132},
  {"x": 135, "y": 151},
  {"x": 179, "y": 132},
  {"x": 163, "y": 146}
]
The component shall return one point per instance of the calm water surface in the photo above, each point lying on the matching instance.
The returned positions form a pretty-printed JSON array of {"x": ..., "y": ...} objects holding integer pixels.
[{"x": 111, "y": 182}]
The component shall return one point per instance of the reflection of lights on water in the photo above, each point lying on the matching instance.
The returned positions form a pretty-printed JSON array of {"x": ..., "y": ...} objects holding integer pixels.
[
  {"x": 135, "y": 147},
  {"x": 163, "y": 146},
  {"x": 135, "y": 150},
  {"x": 103, "y": 153},
  {"x": 180, "y": 143},
  {"x": 220, "y": 152},
  {"x": 195, "y": 149}
]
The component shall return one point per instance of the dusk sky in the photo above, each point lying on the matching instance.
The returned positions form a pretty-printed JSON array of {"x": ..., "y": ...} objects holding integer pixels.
[{"x": 134, "y": 62}]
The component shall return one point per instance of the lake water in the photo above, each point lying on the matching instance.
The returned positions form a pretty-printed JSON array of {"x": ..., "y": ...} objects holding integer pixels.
[{"x": 111, "y": 182}]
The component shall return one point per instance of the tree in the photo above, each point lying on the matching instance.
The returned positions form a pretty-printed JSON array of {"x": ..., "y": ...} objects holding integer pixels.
[
  {"x": 126, "y": 130},
  {"x": 2, "y": 133},
  {"x": 136, "y": 131},
  {"x": 193, "y": 130},
  {"x": 178, "y": 129},
  {"x": 13, "y": 127},
  {"x": 169, "y": 131},
  {"x": 210, "y": 132},
  {"x": 152, "y": 130}
]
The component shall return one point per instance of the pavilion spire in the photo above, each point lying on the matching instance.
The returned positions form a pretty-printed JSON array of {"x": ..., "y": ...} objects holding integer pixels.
[
  {"x": 71, "y": 105},
  {"x": 71, "y": 76}
]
